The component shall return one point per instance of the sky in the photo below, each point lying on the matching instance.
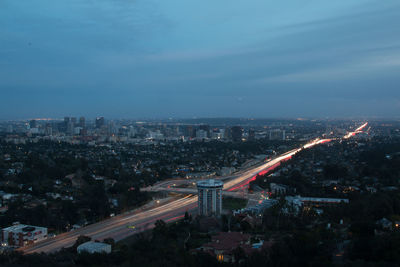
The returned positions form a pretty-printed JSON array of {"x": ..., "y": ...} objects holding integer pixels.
[{"x": 175, "y": 58}]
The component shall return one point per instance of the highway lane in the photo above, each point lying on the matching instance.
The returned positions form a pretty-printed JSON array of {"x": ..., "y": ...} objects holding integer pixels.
[{"x": 243, "y": 180}]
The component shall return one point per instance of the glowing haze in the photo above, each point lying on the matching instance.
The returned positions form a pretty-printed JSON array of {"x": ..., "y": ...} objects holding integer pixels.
[{"x": 157, "y": 58}]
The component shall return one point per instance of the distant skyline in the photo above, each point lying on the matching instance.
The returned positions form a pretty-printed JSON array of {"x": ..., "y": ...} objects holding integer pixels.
[
  {"x": 211, "y": 120},
  {"x": 160, "y": 59}
]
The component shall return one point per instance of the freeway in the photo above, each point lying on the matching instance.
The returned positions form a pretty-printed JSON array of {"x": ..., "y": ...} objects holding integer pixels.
[{"x": 118, "y": 227}]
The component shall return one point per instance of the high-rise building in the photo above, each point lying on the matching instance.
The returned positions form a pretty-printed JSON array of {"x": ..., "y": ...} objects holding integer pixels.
[
  {"x": 82, "y": 122},
  {"x": 33, "y": 124},
  {"x": 189, "y": 131},
  {"x": 205, "y": 128},
  {"x": 48, "y": 129},
  {"x": 10, "y": 128},
  {"x": 99, "y": 122},
  {"x": 277, "y": 134},
  {"x": 132, "y": 131},
  {"x": 228, "y": 133},
  {"x": 252, "y": 135},
  {"x": 237, "y": 133},
  {"x": 64, "y": 127},
  {"x": 70, "y": 128},
  {"x": 201, "y": 134},
  {"x": 210, "y": 197}
]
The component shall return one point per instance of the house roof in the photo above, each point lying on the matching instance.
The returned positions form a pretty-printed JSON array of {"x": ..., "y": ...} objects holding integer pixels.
[{"x": 227, "y": 241}]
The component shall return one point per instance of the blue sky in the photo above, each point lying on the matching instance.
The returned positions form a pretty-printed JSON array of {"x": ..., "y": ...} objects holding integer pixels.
[{"x": 157, "y": 58}]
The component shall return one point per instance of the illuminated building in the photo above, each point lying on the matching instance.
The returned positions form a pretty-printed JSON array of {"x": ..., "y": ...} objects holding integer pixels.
[{"x": 21, "y": 235}]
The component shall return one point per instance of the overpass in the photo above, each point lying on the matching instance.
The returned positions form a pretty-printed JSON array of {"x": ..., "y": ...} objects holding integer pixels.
[{"x": 193, "y": 191}]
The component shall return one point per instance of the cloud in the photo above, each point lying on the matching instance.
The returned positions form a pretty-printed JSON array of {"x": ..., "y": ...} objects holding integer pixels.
[
  {"x": 363, "y": 68},
  {"x": 310, "y": 54}
]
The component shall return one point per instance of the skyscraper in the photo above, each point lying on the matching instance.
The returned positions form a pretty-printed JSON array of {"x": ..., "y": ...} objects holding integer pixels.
[
  {"x": 228, "y": 133},
  {"x": 66, "y": 120},
  {"x": 64, "y": 127},
  {"x": 210, "y": 197},
  {"x": 205, "y": 128},
  {"x": 189, "y": 131},
  {"x": 252, "y": 135},
  {"x": 70, "y": 128},
  {"x": 48, "y": 130},
  {"x": 82, "y": 122},
  {"x": 32, "y": 124},
  {"x": 237, "y": 133},
  {"x": 99, "y": 122}
]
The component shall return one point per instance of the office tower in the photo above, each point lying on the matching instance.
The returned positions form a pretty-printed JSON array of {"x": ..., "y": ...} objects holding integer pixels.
[
  {"x": 10, "y": 128},
  {"x": 205, "y": 128},
  {"x": 70, "y": 128},
  {"x": 82, "y": 122},
  {"x": 237, "y": 133},
  {"x": 99, "y": 122},
  {"x": 48, "y": 129},
  {"x": 132, "y": 131},
  {"x": 64, "y": 127},
  {"x": 33, "y": 124},
  {"x": 227, "y": 133},
  {"x": 252, "y": 135},
  {"x": 277, "y": 134},
  {"x": 210, "y": 197},
  {"x": 201, "y": 134},
  {"x": 189, "y": 131}
]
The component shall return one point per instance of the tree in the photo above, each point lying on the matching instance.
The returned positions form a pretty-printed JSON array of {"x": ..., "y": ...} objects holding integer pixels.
[
  {"x": 239, "y": 254},
  {"x": 188, "y": 217},
  {"x": 160, "y": 228},
  {"x": 80, "y": 240},
  {"x": 109, "y": 241}
]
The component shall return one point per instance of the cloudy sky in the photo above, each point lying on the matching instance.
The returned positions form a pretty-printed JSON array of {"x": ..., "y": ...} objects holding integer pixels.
[{"x": 171, "y": 58}]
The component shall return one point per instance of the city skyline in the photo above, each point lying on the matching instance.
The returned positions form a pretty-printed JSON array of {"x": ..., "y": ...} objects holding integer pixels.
[{"x": 151, "y": 59}]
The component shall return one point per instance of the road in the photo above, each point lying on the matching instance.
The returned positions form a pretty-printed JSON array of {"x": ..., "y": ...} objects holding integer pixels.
[{"x": 117, "y": 227}]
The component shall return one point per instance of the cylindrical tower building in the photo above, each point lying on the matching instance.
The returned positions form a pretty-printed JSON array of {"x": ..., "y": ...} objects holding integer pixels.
[{"x": 210, "y": 197}]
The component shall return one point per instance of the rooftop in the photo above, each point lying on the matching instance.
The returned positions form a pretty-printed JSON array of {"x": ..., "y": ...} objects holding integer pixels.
[
  {"x": 22, "y": 228},
  {"x": 210, "y": 183},
  {"x": 228, "y": 241},
  {"x": 93, "y": 246}
]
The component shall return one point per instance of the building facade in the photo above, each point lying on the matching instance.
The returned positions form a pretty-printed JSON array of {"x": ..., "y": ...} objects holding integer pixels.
[
  {"x": 277, "y": 134},
  {"x": 21, "y": 235},
  {"x": 210, "y": 197},
  {"x": 237, "y": 133}
]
